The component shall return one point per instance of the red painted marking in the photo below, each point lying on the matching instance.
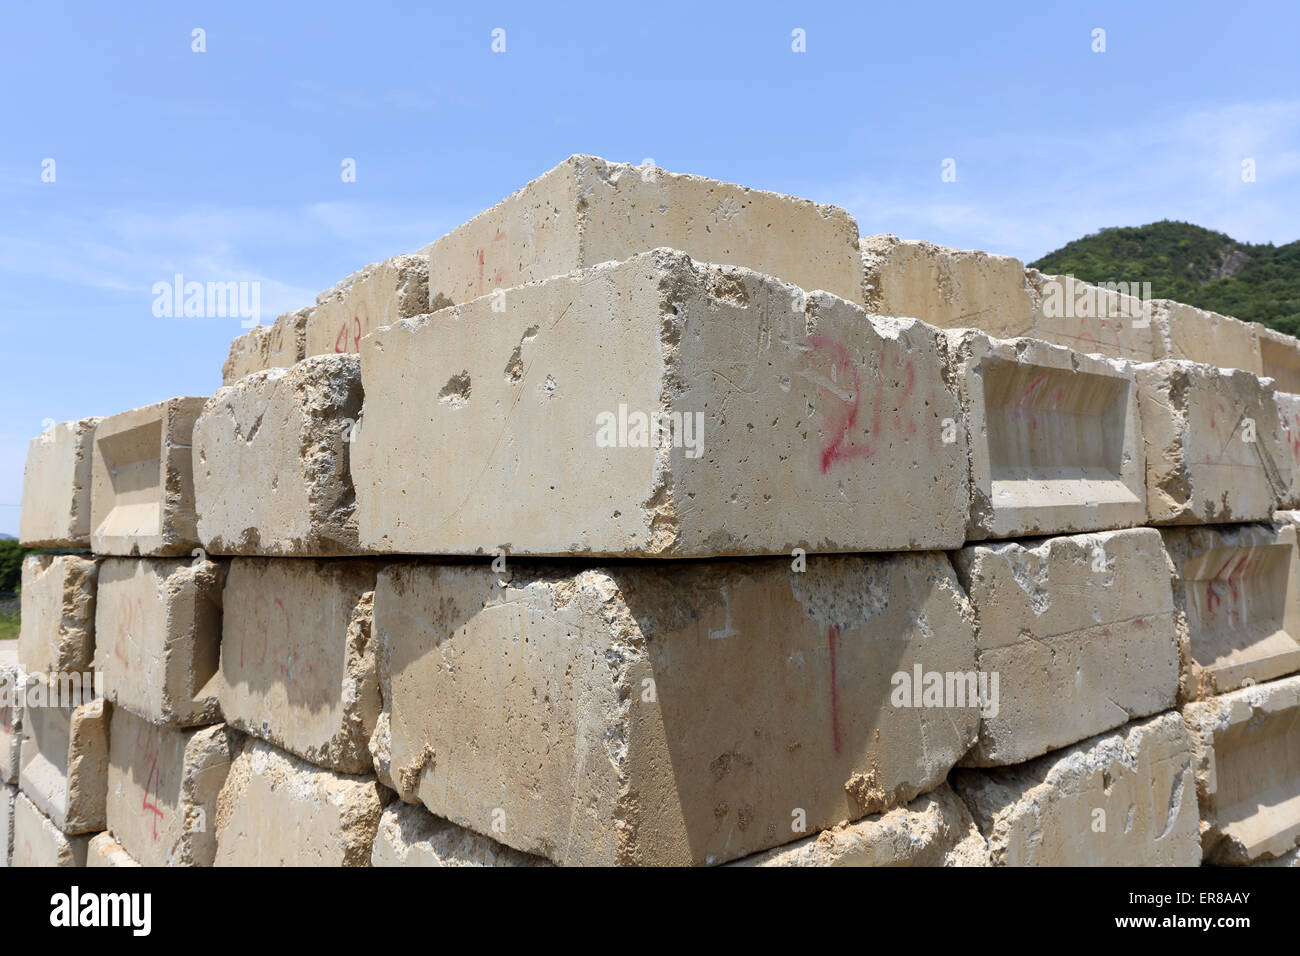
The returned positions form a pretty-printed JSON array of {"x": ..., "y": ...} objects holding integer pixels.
[
  {"x": 844, "y": 414},
  {"x": 832, "y": 635}
]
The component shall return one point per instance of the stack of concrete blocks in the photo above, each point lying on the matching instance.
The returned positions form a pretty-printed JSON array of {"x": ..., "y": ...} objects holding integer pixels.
[{"x": 404, "y": 591}]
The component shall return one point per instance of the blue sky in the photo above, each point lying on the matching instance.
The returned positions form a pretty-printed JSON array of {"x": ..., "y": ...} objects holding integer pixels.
[{"x": 225, "y": 165}]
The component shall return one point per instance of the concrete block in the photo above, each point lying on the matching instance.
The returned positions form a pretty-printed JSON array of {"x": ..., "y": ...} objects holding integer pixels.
[
  {"x": 142, "y": 488},
  {"x": 279, "y": 345},
  {"x": 1188, "y": 334},
  {"x": 158, "y": 623},
  {"x": 58, "y": 614},
  {"x": 38, "y": 842},
  {"x": 12, "y": 698},
  {"x": 8, "y": 792},
  {"x": 103, "y": 850},
  {"x": 586, "y": 211},
  {"x": 1215, "y": 449},
  {"x": 162, "y": 789},
  {"x": 948, "y": 288},
  {"x": 1120, "y": 799},
  {"x": 1237, "y": 590},
  {"x": 1279, "y": 356},
  {"x": 335, "y": 816},
  {"x": 56, "y": 487},
  {"x": 1054, "y": 438},
  {"x": 1081, "y": 633},
  {"x": 804, "y": 422},
  {"x": 1288, "y": 414},
  {"x": 297, "y": 662},
  {"x": 410, "y": 835},
  {"x": 1285, "y": 860},
  {"x": 271, "y": 461},
  {"x": 65, "y": 764},
  {"x": 671, "y": 714},
  {"x": 935, "y": 829},
  {"x": 1092, "y": 320},
  {"x": 377, "y": 296},
  {"x": 1246, "y": 745}
]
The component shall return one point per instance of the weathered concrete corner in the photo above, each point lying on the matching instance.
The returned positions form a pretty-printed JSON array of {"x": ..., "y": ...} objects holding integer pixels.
[
  {"x": 410, "y": 835},
  {"x": 58, "y": 614},
  {"x": 104, "y": 851},
  {"x": 1185, "y": 333},
  {"x": 56, "y": 487},
  {"x": 378, "y": 295},
  {"x": 65, "y": 764},
  {"x": 38, "y": 842}
]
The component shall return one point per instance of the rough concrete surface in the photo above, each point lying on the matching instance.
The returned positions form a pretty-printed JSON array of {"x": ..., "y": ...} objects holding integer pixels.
[
  {"x": 377, "y": 296},
  {"x": 65, "y": 764},
  {"x": 815, "y": 425},
  {"x": 38, "y": 842},
  {"x": 279, "y": 345},
  {"x": 410, "y": 835},
  {"x": 1288, "y": 414},
  {"x": 1188, "y": 334},
  {"x": 1091, "y": 319},
  {"x": 1279, "y": 355},
  {"x": 103, "y": 850},
  {"x": 58, "y": 614},
  {"x": 55, "y": 510},
  {"x": 683, "y": 714},
  {"x": 8, "y": 793}
]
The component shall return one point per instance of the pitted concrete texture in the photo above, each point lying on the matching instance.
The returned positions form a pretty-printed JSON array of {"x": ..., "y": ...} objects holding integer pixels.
[
  {"x": 1188, "y": 334},
  {"x": 1285, "y": 860},
  {"x": 297, "y": 660},
  {"x": 162, "y": 789},
  {"x": 378, "y": 295},
  {"x": 38, "y": 842},
  {"x": 1215, "y": 449},
  {"x": 1237, "y": 590},
  {"x": 280, "y": 345},
  {"x": 1247, "y": 749},
  {"x": 1279, "y": 356},
  {"x": 334, "y": 816},
  {"x": 1091, "y": 320},
  {"x": 1080, "y": 632},
  {"x": 1288, "y": 414},
  {"x": 12, "y": 698},
  {"x": 1120, "y": 799},
  {"x": 103, "y": 850},
  {"x": 65, "y": 764},
  {"x": 410, "y": 835},
  {"x": 587, "y": 210},
  {"x": 1054, "y": 438},
  {"x": 271, "y": 454},
  {"x": 804, "y": 422},
  {"x": 948, "y": 288},
  {"x": 142, "y": 488},
  {"x": 935, "y": 829},
  {"x": 8, "y": 793},
  {"x": 158, "y": 630},
  {"x": 56, "y": 487},
  {"x": 688, "y": 713},
  {"x": 58, "y": 614}
]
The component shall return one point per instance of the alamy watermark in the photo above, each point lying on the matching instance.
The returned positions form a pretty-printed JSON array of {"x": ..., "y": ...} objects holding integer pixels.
[
  {"x": 38, "y": 689},
  {"x": 922, "y": 688},
  {"x": 657, "y": 429},
  {"x": 208, "y": 300},
  {"x": 1065, "y": 297}
]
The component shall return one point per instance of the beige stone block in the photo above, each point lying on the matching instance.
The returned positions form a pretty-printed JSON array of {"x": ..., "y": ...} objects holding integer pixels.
[
  {"x": 142, "y": 489},
  {"x": 56, "y": 487},
  {"x": 1279, "y": 356},
  {"x": 65, "y": 764},
  {"x": 1237, "y": 590},
  {"x": 1080, "y": 632},
  {"x": 12, "y": 698},
  {"x": 38, "y": 842},
  {"x": 670, "y": 714},
  {"x": 803, "y": 422},
  {"x": 297, "y": 660},
  {"x": 1054, "y": 441},
  {"x": 271, "y": 471},
  {"x": 1120, "y": 799},
  {"x": 378, "y": 295},
  {"x": 1186, "y": 333},
  {"x": 162, "y": 789},
  {"x": 279, "y": 345},
  {"x": 103, "y": 850},
  {"x": 1288, "y": 414},
  {"x": 158, "y": 627},
  {"x": 1215, "y": 449},
  {"x": 58, "y": 614},
  {"x": 335, "y": 816},
  {"x": 586, "y": 211},
  {"x": 1247, "y": 759},
  {"x": 935, "y": 829},
  {"x": 410, "y": 835},
  {"x": 8, "y": 793},
  {"x": 1093, "y": 320}
]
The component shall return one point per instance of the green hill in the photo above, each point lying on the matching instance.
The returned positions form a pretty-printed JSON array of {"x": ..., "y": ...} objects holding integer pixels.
[{"x": 1255, "y": 283}]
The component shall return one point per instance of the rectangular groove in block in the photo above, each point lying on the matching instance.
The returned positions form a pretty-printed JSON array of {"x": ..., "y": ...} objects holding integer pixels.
[{"x": 134, "y": 467}]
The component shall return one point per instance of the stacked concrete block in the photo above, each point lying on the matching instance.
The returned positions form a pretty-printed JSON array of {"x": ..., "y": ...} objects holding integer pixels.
[
  {"x": 65, "y": 764},
  {"x": 691, "y": 713},
  {"x": 8, "y": 793},
  {"x": 12, "y": 698},
  {"x": 38, "y": 842},
  {"x": 587, "y": 211},
  {"x": 271, "y": 461},
  {"x": 1120, "y": 799},
  {"x": 1093, "y": 320},
  {"x": 1279, "y": 356},
  {"x": 104, "y": 851},
  {"x": 1246, "y": 745},
  {"x": 56, "y": 487},
  {"x": 1237, "y": 590},
  {"x": 142, "y": 487},
  {"x": 378, "y": 295},
  {"x": 1215, "y": 449},
  {"x": 279, "y": 345},
  {"x": 1187, "y": 334},
  {"x": 1053, "y": 437},
  {"x": 163, "y": 784},
  {"x": 1288, "y": 414},
  {"x": 1080, "y": 633},
  {"x": 58, "y": 614},
  {"x": 658, "y": 408},
  {"x": 410, "y": 835}
]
